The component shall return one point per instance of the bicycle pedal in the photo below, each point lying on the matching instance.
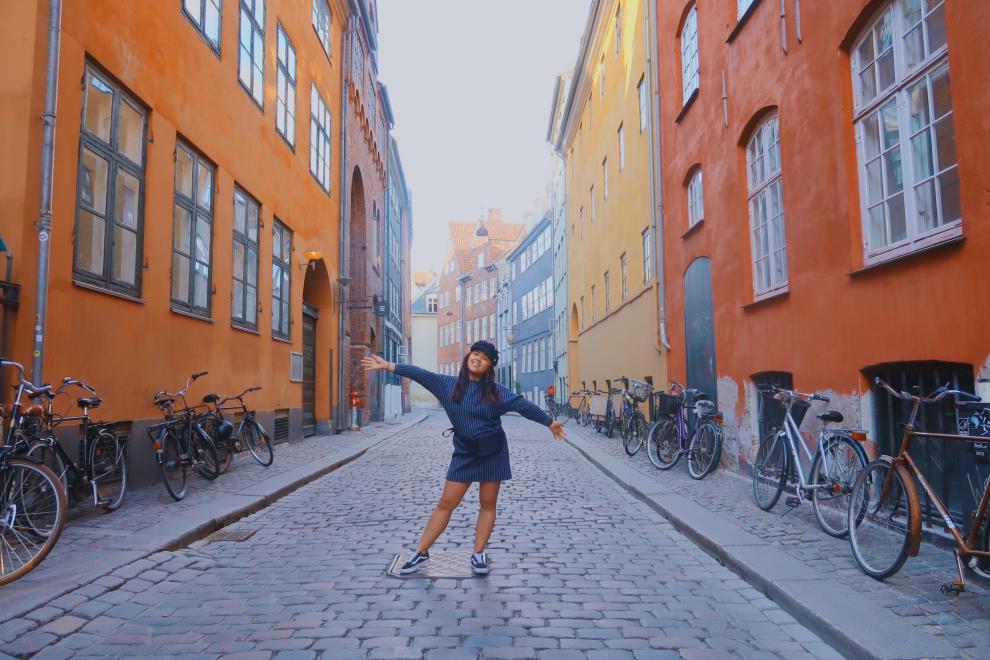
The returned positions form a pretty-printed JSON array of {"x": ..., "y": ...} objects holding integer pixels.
[{"x": 792, "y": 501}]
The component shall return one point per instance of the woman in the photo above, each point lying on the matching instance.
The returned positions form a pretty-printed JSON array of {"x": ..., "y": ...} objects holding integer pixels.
[{"x": 475, "y": 403}]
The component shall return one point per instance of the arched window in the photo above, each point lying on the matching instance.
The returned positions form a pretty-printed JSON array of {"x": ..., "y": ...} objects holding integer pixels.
[
  {"x": 906, "y": 141},
  {"x": 766, "y": 209},
  {"x": 696, "y": 201},
  {"x": 689, "y": 54}
]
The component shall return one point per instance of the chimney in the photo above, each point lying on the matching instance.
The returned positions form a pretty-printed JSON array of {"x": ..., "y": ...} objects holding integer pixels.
[{"x": 494, "y": 215}]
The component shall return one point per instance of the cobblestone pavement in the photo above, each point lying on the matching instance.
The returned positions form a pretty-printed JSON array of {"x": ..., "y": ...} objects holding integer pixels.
[
  {"x": 579, "y": 569},
  {"x": 962, "y": 621}
]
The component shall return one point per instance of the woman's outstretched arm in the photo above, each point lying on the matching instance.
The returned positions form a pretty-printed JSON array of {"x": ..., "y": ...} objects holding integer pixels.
[
  {"x": 431, "y": 381},
  {"x": 518, "y": 403}
]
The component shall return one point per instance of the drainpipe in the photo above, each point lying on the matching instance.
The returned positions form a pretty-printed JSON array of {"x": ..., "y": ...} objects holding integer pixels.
[
  {"x": 344, "y": 356},
  {"x": 47, "y": 166},
  {"x": 656, "y": 180}
]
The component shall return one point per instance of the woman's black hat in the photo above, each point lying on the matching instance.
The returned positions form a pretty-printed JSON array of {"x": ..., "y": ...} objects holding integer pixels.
[{"x": 488, "y": 349}]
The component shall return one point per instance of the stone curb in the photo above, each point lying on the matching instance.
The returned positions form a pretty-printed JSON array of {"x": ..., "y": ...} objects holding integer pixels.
[{"x": 838, "y": 614}]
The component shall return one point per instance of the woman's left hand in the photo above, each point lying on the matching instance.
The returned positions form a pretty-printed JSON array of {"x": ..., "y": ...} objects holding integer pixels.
[{"x": 558, "y": 430}]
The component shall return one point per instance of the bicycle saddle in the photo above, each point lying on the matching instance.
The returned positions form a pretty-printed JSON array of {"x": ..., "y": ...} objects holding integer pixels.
[
  {"x": 211, "y": 398},
  {"x": 830, "y": 416},
  {"x": 91, "y": 402}
]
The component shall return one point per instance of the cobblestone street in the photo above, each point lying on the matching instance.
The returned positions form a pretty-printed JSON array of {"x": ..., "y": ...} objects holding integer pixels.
[{"x": 580, "y": 569}]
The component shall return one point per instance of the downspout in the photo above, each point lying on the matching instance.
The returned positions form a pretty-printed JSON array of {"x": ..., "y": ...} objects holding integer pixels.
[
  {"x": 344, "y": 357},
  {"x": 656, "y": 180},
  {"x": 47, "y": 167}
]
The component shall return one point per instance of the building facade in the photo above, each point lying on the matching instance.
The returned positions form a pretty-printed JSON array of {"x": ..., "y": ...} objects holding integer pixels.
[
  {"x": 423, "y": 351},
  {"x": 532, "y": 296},
  {"x": 846, "y": 236},
  {"x": 558, "y": 225},
  {"x": 612, "y": 286}
]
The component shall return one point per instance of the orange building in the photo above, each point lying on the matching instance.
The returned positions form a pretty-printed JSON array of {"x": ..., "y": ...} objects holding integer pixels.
[
  {"x": 196, "y": 202},
  {"x": 825, "y": 208}
]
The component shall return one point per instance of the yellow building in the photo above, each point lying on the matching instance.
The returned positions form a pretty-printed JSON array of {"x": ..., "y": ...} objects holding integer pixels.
[{"x": 605, "y": 141}]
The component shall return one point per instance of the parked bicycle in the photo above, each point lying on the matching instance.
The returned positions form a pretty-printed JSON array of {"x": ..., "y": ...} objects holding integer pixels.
[
  {"x": 552, "y": 405},
  {"x": 674, "y": 434},
  {"x": 32, "y": 500},
  {"x": 180, "y": 442},
  {"x": 613, "y": 412},
  {"x": 580, "y": 404},
  {"x": 102, "y": 457},
  {"x": 837, "y": 460},
  {"x": 634, "y": 432},
  {"x": 249, "y": 434},
  {"x": 885, "y": 511}
]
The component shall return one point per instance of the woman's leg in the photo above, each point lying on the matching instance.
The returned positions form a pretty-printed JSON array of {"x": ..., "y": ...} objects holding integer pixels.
[
  {"x": 453, "y": 493},
  {"x": 486, "y": 515}
]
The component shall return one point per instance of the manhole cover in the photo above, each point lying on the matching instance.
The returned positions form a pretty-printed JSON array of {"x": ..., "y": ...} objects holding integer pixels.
[
  {"x": 441, "y": 565},
  {"x": 230, "y": 535}
]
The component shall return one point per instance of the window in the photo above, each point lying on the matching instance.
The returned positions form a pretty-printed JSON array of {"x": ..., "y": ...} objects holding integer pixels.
[
  {"x": 281, "y": 278},
  {"x": 696, "y": 204},
  {"x": 766, "y": 209},
  {"x": 601, "y": 77},
  {"x": 689, "y": 55},
  {"x": 205, "y": 15},
  {"x": 109, "y": 203},
  {"x": 431, "y": 304},
  {"x": 457, "y": 294},
  {"x": 582, "y": 312},
  {"x": 743, "y": 7},
  {"x": 618, "y": 29},
  {"x": 484, "y": 328},
  {"x": 285, "y": 87},
  {"x": 322, "y": 18},
  {"x": 481, "y": 259},
  {"x": 319, "y": 139},
  {"x": 909, "y": 178},
  {"x": 622, "y": 147},
  {"x": 581, "y": 220},
  {"x": 244, "y": 295},
  {"x": 641, "y": 89},
  {"x": 608, "y": 298},
  {"x": 192, "y": 231},
  {"x": 491, "y": 324},
  {"x": 605, "y": 179},
  {"x": 592, "y": 204},
  {"x": 594, "y": 312},
  {"x": 647, "y": 256},
  {"x": 491, "y": 288},
  {"x": 251, "y": 54},
  {"x": 624, "y": 268}
]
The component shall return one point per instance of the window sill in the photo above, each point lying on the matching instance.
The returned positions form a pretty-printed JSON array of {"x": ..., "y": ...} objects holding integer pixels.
[
  {"x": 82, "y": 284},
  {"x": 244, "y": 328},
  {"x": 687, "y": 106},
  {"x": 192, "y": 315},
  {"x": 693, "y": 229},
  {"x": 953, "y": 242},
  {"x": 766, "y": 298},
  {"x": 742, "y": 21},
  {"x": 284, "y": 340}
]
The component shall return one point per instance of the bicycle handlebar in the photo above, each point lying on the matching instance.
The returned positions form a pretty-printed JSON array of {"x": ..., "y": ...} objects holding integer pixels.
[
  {"x": 181, "y": 393},
  {"x": 239, "y": 396},
  {"x": 72, "y": 381},
  {"x": 934, "y": 397},
  {"x": 794, "y": 393}
]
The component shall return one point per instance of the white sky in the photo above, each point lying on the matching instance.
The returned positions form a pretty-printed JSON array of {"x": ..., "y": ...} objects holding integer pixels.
[{"x": 471, "y": 83}]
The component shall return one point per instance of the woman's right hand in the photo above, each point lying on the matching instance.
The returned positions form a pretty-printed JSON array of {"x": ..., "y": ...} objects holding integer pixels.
[{"x": 375, "y": 363}]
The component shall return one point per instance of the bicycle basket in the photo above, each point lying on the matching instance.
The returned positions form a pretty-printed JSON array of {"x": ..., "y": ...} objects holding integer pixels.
[
  {"x": 639, "y": 390},
  {"x": 666, "y": 404}
]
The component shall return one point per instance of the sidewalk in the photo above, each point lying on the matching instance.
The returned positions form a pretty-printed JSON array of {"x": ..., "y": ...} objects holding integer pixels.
[
  {"x": 811, "y": 575},
  {"x": 94, "y": 544}
]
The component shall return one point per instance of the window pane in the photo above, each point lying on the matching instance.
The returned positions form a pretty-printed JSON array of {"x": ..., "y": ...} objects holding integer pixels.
[
  {"x": 128, "y": 188},
  {"x": 286, "y": 244},
  {"x": 914, "y": 46},
  {"x": 182, "y": 228},
  {"x": 936, "y": 29},
  {"x": 90, "y": 243},
  {"x": 237, "y": 300},
  {"x": 202, "y": 240},
  {"x": 183, "y": 172},
  {"x": 124, "y": 255},
  {"x": 131, "y": 134},
  {"x": 921, "y": 155},
  {"x": 925, "y": 201},
  {"x": 244, "y": 65},
  {"x": 941, "y": 93},
  {"x": 276, "y": 279},
  {"x": 868, "y": 84},
  {"x": 201, "y": 278},
  {"x": 252, "y": 267},
  {"x": 99, "y": 107},
  {"x": 885, "y": 70},
  {"x": 180, "y": 278},
  {"x": 238, "y": 266},
  {"x": 251, "y": 304},
  {"x": 240, "y": 212},
  {"x": 193, "y": 7},
  {"x": 918, "y": 103},
  {"x": 878, "y": 228},
  {"x": 898, "y": 226},
  {"x": 874, "y": 182},
  {"x": 212, "y": 26},
  {"x": 252, "y": 222},
  {"x": 892, "y": 170},
  {"x": 948, "y": 185},
  {"x": 889, "y": 125},
  {"x": 911, "y": 10},
  {"x": 204, "y": 186},
  {"x": 945, "y": 141},
  {"x": 93, "y": 182},
  {"x": 276, "y": 315}
]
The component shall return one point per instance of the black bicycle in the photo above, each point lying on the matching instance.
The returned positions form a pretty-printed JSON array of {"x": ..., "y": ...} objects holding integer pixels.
[
  {"x": 250, "y": 434},
  {"x": 180, "y": 442},
  {"x": 102, "y": 462}
]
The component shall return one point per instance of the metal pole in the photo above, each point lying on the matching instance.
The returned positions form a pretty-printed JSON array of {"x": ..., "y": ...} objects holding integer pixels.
[
  {"x": 3, "y": 331},
  {"x": 47, "y": 167},
  {"x": 342, "y": 352}
]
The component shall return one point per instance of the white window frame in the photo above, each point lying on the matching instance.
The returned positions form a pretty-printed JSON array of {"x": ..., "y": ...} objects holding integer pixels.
[
  {"x": 618, "y": 29},
  {"x": 643, "y": 106},
  {"x": 766, "y": 223},
  {"x": 647, "y": 244},
  {"x": 742, "y": 6},
  {"x": 622, "y": 147},
  {"x": 251, "y": 64},
  {"x": 624, "y": 268},
  {"x": 880, "y": 189},
  {"x": 322, "y": 23},
  {"x": 696, "y": 199},
  {"x": 206, "y": 16},
  {"x": 690, "y": 69},
  {"x": 319, "y": 139},
  {"x": 605, "y": 178},
  {"x": 601, "y": 76},
  {"x": 285, "y": 86}
]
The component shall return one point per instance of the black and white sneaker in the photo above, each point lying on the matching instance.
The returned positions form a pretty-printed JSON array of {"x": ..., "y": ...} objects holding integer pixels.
[
  {"x": 416, "y": 561},
  {"x": 479, "y": 563}
]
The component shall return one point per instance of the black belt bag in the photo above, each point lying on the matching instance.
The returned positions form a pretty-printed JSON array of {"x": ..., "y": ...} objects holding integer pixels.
[{"x": 485, "y": 445}]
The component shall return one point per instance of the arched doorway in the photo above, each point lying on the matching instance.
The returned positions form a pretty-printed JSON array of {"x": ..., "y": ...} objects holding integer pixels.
[
  {"x": 317, "y": 349},
  {"x": 358, "y": 315},
  {"x": 699, "y": 327}
]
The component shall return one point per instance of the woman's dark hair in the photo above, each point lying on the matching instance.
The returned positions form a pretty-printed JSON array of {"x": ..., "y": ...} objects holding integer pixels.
[{"x": 491, "y": 395}]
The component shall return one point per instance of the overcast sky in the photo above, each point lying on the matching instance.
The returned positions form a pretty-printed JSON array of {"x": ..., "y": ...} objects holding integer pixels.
[{"x": 471, "y": 83}]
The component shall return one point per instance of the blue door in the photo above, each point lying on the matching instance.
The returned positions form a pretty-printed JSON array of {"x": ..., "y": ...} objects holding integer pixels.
[{"x": 699, "y": 327}]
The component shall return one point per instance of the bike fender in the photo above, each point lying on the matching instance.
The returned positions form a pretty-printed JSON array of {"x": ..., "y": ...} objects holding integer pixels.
[{"x": 911, "y": 491}]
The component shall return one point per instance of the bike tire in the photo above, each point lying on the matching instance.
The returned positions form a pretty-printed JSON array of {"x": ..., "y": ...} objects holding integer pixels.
[
  {"x": 705, "y": 450},
  {"x": 879, "y": 539},
  {"x": 41, "y": 451},
  {"x": 258, "y": 441},
  {"x": 172, "y": 466},
  {"x": 770, "y": 470},
  {"x": 206, "y": 452},
  {"x": 983, "y": 563},
  {"x": 27, "y": 487},
  {"x": 847, "y": 460},
  {"x": 662, "y": 444},
  {"x": 225, "y": 452},
  {"x": 609, "y": 422},
  {"x": 634, "y": 440},
  {"x": 108, "y": 461}
]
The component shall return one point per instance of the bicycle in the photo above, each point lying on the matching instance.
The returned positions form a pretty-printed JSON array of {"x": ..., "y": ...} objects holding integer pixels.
[
  {"x": 180, "y": 442},
  {"x": 607, "y": 425},
  {"x": 634, "y": 431},
  {"x": 673, "y": 434},
  {"x": 885, "y": 512},
  {"x": 102, "y": 463},
  {"x": 582, "y": 409},
  {"x": 835, "y": 464},
  {"x": 552, "y": 405},
  {"x": 250, "y": 433},
  {"x": 32, "y": 500}
]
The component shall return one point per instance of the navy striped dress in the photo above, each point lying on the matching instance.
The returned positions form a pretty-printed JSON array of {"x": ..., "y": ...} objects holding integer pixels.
[{"x": 473, "y": 418}]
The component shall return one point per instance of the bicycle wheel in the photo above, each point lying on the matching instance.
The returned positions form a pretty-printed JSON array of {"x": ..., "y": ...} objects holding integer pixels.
[
  {"x": 878, "y": 521},
  {"x": 257, "y": 441},
  {"x": 770, "y": 470},
  {"x": 42, "y": 451},
  {"x": 609, "y": 421},
  {"x": 845, "y": 459},
  {"x": 108, "y": 461},
  {"x": 634, "y": 438},
  {"x": 31, "y": 499},
  {"x": 705, "y": 450},
  {"x": 205, "y": 454},
  {"x": 983, "y": 563},
  {"x": 225, "y": 452},
  {"x": 662, "y": 445},
  {"x": 173, "y": 466}
]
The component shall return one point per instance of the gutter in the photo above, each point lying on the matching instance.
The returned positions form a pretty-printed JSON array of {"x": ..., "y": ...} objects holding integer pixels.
[{"x": 340, "y": 424}]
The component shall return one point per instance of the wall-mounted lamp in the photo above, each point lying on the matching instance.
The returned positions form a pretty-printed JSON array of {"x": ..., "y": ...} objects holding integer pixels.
[{"x": 312, "y": 256}]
